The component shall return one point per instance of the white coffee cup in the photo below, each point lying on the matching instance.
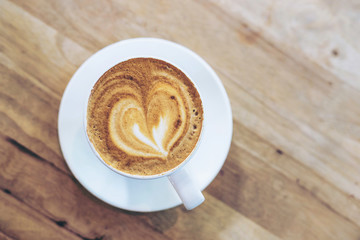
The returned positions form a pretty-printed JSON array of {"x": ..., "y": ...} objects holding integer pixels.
[{"x": 179, "y": 177}]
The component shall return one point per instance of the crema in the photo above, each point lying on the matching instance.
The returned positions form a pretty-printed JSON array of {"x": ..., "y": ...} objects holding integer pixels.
[{"x": 144, "y": 116}]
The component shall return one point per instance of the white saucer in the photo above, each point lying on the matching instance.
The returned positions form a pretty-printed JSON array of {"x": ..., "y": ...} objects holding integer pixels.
[{"x": 143, "y": 195}]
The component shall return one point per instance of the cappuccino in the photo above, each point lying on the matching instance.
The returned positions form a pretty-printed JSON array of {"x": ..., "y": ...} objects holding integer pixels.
[{"x": 144, "y": 116}]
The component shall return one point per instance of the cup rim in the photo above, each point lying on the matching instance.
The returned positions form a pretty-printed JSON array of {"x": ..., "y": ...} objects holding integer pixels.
[{"x": 145, "y": 177}]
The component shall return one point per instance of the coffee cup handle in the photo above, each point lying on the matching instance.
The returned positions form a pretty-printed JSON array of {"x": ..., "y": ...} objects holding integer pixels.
[{"x": 189, "y": 194}]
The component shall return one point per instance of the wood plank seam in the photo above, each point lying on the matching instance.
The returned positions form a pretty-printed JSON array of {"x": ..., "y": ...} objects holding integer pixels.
[
  {"x": 9, "y": 193},
  {"x": 34, "y": 155},
  {"x": 7, "y": 236},
  {"x": 60, "y": 223}
]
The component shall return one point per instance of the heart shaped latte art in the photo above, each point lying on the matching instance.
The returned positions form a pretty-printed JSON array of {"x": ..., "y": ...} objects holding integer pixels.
[
  {"x": 148, "y": 127},
  {"x": 144, "y": 116}
]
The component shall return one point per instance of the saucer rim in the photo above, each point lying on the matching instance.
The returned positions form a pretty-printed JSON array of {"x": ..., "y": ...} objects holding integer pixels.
[{"x": 215, "y": 79}]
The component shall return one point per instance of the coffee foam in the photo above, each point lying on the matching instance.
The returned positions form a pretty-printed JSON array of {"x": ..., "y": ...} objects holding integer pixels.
[{"x": 144, "y": 116}]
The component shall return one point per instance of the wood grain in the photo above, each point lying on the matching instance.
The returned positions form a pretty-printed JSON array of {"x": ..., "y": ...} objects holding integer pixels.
[
  {"x": 291, "y": 71},
  {"x": 3, "y": 236},
  {"x": 54, "y": 202},
  {"x": 24, "y": 223}
]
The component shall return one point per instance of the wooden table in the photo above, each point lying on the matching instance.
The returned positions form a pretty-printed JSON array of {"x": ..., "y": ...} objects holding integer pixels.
[{"x": 291, "y": 70}]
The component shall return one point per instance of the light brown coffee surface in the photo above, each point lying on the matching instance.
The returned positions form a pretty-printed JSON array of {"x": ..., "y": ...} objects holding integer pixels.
[{"x": 144, "y": 116}]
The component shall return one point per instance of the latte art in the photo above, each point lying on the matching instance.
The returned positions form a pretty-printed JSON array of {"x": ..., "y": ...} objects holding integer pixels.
[
  {"x": 145, "y": 130},
  {"x": 144, "y": 116}
]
